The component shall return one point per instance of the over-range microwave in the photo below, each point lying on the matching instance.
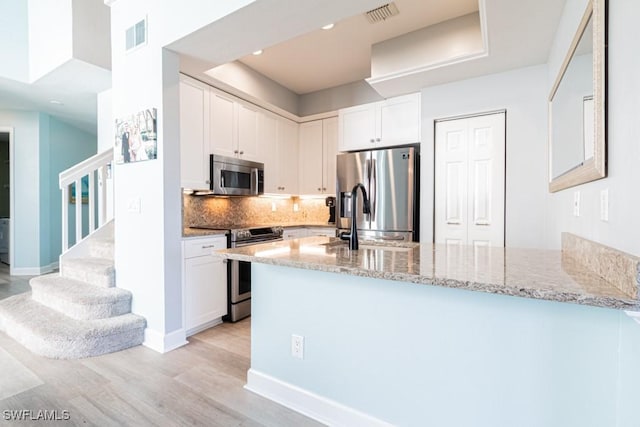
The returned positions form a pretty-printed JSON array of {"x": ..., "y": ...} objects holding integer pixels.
[{"x": 230, "y": 176}]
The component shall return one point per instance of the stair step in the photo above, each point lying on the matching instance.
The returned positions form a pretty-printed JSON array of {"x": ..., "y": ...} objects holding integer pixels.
[
  {"x": 94, "y": 271},
  {"x": 101, "y": 247},
  {"x": 52, "y": 334},
  {"x": 79, "y": 300}
]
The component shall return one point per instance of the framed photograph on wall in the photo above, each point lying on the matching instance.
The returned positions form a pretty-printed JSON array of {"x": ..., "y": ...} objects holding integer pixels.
[{"x": 137, "y": 137}]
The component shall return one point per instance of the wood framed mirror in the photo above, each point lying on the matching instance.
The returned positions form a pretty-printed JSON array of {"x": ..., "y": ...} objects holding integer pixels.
[{"x": 577, "y": 106}]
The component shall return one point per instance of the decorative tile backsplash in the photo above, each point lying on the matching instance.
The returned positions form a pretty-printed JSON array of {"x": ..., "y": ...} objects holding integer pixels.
[
  {"x": 246, "y": 211},
  {"x": 616, "y": 267}
]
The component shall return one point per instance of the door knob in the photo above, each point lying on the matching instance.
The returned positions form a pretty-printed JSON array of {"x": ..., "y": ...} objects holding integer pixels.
[
  {"x": 242, "y": 152},
  {"x": 372, "y": 140},
  {"x": 235, "y": 151}
]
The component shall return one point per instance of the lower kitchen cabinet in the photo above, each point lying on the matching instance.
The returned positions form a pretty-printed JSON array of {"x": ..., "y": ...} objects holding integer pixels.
[
  {"x": 204, "y": 283},
  {"x": 294, "y": 233},
  {"x": 321, "y": 231}
]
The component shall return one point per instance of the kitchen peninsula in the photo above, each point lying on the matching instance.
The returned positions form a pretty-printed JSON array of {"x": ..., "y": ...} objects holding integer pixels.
[{"x": 399, "y": 324}]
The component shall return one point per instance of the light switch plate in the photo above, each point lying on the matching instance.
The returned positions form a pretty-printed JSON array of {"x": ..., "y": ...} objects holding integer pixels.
[
  {"x": 133, "y": 205},
  {"x": 576, "y": 203}
]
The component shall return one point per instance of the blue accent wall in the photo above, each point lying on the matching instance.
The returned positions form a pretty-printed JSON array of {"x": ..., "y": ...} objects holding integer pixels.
[{"x": 416, "y": 355}]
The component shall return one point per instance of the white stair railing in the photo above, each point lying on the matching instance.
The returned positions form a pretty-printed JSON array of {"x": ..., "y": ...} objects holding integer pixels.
[{"x": 93, "y": 168}]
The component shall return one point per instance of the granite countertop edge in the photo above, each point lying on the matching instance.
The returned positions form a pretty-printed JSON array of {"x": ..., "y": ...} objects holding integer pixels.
[{"x": 512, "y": 289}]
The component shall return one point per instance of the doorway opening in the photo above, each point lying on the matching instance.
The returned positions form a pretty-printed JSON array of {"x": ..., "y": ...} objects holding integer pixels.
[{"x": 5, "y": 195}]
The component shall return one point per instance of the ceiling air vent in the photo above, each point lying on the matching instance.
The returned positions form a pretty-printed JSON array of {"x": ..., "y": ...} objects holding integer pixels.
[{"x": 382, "y": 13}]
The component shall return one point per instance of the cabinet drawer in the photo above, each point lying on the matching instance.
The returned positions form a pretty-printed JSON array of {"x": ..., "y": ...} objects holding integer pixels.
[{"x": 202, "y": 247}]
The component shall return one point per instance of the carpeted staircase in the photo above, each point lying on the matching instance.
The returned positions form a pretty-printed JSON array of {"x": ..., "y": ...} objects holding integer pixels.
[{"x": 78, "y": 312}]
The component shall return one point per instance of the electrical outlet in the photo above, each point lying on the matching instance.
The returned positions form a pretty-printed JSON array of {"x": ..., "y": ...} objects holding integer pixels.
[
  {"x": 297, "y": 346},
  {"x": 273, "y": 206},
  {"x": 295, "y": 207},
  {"x": 576, "y": 203},
  {"x": 604, "y": 205}
]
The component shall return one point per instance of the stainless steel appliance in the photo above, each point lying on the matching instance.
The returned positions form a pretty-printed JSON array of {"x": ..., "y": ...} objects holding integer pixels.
[
  {"x": 391, "y": 180},
  {"x": 239, "y": 272},
  {"x": 229, "y": 176}
]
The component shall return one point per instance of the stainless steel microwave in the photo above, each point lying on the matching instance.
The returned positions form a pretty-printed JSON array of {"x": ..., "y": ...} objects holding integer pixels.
[{"x": 230, "y": 176}]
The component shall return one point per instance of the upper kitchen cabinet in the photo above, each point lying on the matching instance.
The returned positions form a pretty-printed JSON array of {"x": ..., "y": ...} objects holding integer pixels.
[
  {"x": 318, "y": 144},
  {"x": 395, "y": 121},
  {"x": 278, "y": 150},
  {"x": 233, "y": 126},
  {"x": 287, "y": 150},
  {"x": 194, "y": 134}
]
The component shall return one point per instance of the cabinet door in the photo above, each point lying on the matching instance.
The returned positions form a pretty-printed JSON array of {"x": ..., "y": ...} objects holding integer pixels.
[
  {"x": 205, "y": 290},
  {"x": 288, "y": 156},
  {"x": 399, "y": 121},
  {"x": 247, "y": 132},
  {"x": 311, "y": 151},
  {"x": 294, "y": 233},
  {"x": 268, "y": 129},
  {"x": 357, "y": 128},
  {"x": 330, "y": 150},
  {"x": 194, "y": 135},
  {"x": 223, "y": 124}
]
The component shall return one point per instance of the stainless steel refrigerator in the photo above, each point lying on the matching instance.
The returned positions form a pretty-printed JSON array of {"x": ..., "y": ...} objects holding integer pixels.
[{"x": 391, "y": 179}]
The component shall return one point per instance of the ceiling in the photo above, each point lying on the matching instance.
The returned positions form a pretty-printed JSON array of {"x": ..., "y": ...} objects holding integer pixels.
[
  {"x": 74, "y": 84},
  {"x": 327, "y": 58}
]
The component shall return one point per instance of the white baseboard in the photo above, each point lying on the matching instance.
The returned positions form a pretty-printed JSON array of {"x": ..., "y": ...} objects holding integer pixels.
[
  {"x": 164, "y": 343},
  {"x": 307, "y": 403},
  {"x": 33, "y": 271},
  {"x": 204, "y": 326}
]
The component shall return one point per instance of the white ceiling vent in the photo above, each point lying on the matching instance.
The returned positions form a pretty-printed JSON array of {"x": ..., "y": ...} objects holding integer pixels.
[{"x": 382, "y": 13}]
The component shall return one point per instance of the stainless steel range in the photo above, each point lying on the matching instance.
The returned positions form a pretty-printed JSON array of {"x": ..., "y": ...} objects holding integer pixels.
[{"x": 239, "y": 272}]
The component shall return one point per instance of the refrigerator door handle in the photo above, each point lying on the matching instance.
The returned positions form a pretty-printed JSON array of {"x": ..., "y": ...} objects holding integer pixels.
[{"x": 374, "y": 192}]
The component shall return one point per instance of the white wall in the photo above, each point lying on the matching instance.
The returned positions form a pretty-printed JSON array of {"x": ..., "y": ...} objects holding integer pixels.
[
  {"x": 427, "y": 46},
  {"x": 622, "y": 231},
  {"x": 14, "y": 41},
  {"x": 92, "y": 32},
  {"x": 522, "y": 93},
  {"x": 25, "y": 181},
  {"x": 50, "y": 35}
]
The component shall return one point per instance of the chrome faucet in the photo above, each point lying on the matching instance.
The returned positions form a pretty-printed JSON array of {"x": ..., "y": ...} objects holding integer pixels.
[{"x": 352, "y": 236}]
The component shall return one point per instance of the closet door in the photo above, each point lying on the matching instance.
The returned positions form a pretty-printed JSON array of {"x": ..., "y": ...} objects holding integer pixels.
[{"x": 470, "y": 181}]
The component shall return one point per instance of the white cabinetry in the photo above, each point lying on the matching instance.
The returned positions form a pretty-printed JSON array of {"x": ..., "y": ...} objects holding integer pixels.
[
  {"x": 395, "y": 121},
  {"x": 294, "y": 233},
  {"x": 318, "y": 148},
  {"x": 194, "y": 134},
  {"x": 278, "y": 150},
  {"x": 204, "y": 283},
  {"x": 321, "y": 231},
  {"x": 233, "y": 126}
]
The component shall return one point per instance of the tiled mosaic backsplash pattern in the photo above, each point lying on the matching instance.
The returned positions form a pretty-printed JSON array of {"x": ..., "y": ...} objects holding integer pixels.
[{"x": 245, "y": 211}]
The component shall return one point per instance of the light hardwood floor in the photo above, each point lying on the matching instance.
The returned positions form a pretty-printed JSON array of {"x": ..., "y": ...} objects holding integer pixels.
[{"x": 198, "y": 384}]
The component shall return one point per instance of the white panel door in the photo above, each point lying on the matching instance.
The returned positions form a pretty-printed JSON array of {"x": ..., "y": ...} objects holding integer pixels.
[
  {"x": 223, "y": 124},
  {"x": 330, "y": 150},
  {"x": 194, "y": 135},
  {"x": 470, "y": 181},
  {"x": 288, "y": 156},
  {"x": 399, "y": 121},
  {"x": 268, "y": 151},
  {"x": 311, "y": 164},
  {"x": 357, "y": 128},
  {"x": 248, "y": 132}
]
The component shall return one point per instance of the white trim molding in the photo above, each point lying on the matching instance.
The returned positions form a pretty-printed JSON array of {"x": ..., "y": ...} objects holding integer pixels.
[
  {"x": 33, "y": 271},
  {"x": 307, "y": 403},
  {"x": 635, "y": 315},
  {"x": 164, "y": 343}
]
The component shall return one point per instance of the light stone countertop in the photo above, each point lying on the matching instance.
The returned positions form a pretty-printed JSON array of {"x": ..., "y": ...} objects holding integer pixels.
[
  {"x": 528, "y": 273},
  {"x": 188, "y": 233}
]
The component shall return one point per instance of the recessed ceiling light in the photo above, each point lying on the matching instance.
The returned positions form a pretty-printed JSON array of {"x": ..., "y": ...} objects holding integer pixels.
[
  {"x": 56, "y": 102},
  {"x": 328, "y": 27},
  {"x": 258, "y": 52}
]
